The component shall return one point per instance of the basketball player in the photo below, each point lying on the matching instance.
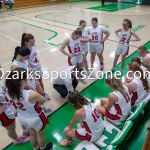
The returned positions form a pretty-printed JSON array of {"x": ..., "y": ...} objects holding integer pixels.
[
  {"x": 138, "y": 85},
  {"x": 91, "y": 128},
  {"x": 124, "y": 38},
  {"x": 20, "y": 60},
  {"x": 84, "y": 45},
  {"x": 144, "y": 53},
  {"x": 30, "y": 113},
  {"x": 117, "y": 106},
  {"x": 7, "y": 117},
  {"x": 73, "y": 43},
  {"x": 96, "y": 45},
  {"x": 28, "y": 40}
]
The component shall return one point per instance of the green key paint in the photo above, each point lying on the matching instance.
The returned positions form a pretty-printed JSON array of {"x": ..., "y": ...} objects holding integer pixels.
[{"x": 139, "y": 27}]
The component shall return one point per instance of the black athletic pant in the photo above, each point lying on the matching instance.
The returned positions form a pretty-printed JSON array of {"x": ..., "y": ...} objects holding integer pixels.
[
  {"x": 103, "y": 2},
  {"x": 62, "y": 90}
]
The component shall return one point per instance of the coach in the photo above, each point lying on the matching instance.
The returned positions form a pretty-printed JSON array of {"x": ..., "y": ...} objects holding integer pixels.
[{"x": 66, "y": 81}]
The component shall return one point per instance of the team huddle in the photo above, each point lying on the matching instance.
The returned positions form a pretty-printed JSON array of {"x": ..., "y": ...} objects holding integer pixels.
[{"x": 24, "y": 97}]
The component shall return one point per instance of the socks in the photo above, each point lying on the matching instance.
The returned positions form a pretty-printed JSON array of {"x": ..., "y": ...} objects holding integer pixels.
[
  {"x": 43, "y": 147},
  {"x": 36, "y": 148}
]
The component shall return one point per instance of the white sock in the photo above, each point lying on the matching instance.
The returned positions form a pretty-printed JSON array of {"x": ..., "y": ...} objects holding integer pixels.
[
  {"x": 36, "y": 147},
  {"x": 43, "y": 147}
]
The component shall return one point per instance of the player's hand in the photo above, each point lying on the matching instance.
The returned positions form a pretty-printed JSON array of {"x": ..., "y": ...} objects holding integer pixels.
[
  {"x": 102, "y": 42},
  {"x": 89, "y": 40},
  {"x": 37, "y": 83},
  {"x": 71, "y": 55}
]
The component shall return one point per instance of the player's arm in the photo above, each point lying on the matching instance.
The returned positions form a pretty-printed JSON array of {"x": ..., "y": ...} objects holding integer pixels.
[
  {"x": 107, "y": 34},
  {"x": 132, "y": 86},
  {"x": 137, "y": 38},
  {"x": 117, "y": 32},
  {"x": 77, "y": 116},
  {"x": 111, "y": 100},
  {"x": 63, "y": 46},
  {"x": 36, "y": 97}
]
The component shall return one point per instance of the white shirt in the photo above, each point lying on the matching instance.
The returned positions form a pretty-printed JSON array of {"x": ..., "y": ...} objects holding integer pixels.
[{"x": 64, "y": 78}]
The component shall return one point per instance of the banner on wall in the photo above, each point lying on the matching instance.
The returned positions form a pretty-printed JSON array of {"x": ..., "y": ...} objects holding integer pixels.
[{"x": 131, "y": 1}]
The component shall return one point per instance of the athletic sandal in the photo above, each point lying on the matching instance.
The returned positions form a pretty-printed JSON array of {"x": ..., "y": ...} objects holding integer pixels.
[
  {"x": 47, "y": 96},
  {"x": 65, "y": 143},
  {"x": 101, "y": 67},
  {"x": 21, "y": 140}
]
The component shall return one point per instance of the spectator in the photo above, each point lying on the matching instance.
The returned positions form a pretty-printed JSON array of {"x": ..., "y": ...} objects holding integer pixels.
[
  {"x": 1, "y": 3},
  {"x": 9, "y": 3}
]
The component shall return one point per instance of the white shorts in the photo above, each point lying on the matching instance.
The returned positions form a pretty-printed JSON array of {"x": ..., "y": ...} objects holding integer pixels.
[
  {"x": 84, "y": 48},
  {"x": 37, "y": 123},
  {"x": 83, "y": 135},
  {"x": 73, "y": 61},
  {"x": 122, "y": 49},
  {"x": 96, "y": 47},
  {"x": 38, "y": 68}
]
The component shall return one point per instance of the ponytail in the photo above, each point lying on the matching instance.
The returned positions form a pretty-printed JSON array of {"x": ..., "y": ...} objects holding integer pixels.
[
  {"x": 16, "y": 53},
  {"x": 144, "y": 81},
  {"x": 23, "y": 40},
  {"x": 23, "y": 51},
  {"x": 13, "y": 84},
  {"x": 116, "y": 84},
  {"x": 134, "y": 66},
  {"x": 77, "y": 100}
]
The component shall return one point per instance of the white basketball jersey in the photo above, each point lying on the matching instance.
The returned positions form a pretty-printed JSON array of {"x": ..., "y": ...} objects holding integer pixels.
[
  {"x": 6, "y": 104},
  {"x": 140, "y": 93},
  {"x": 20, "y": 64},
  {"x": 33, "y": 60},
  {"x": 26, "y": 66},
  {"x": 125, "y": 36},
  {"x": 93, "y": 122},
  {"x": 96, "y": 34},
  {"x": 123, "y": 107},
  {"x": 2, "y": 94},
  {"x": 84, "y": 36},
  {"x": 25, "y": 108},
  {"x": 74, "y": 46}
]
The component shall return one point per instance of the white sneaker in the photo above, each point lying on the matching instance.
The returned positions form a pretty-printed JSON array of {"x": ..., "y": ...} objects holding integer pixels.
[
  {"x": 47, "y": 96},
  {"x": 46, "y": 110},
  {"x": 83, "y": 80}
]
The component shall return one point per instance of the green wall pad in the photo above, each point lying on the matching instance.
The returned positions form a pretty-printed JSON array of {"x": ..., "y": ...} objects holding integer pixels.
[{"x": 112, "y": 7}]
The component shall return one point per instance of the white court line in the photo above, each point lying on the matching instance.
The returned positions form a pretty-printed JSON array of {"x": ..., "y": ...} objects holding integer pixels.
[
  {"x": 37, "y": 52},
  {"x": 9, "y": 37}
]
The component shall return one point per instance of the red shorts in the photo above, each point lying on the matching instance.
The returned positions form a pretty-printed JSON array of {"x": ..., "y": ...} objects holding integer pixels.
[
  {"x": 5, "y": 121},
  {"x": 111, "y": 116}
]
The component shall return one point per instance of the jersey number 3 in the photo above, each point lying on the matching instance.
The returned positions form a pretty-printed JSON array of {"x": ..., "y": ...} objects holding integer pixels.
[{"x": 95, "y": 115}]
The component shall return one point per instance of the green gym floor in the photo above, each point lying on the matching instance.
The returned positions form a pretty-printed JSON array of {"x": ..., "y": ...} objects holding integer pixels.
[{"x": 50, "y": 25}]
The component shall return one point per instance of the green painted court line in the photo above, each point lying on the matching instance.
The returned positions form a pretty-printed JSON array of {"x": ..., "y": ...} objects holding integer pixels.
[
  {"x": 62, "y": 117},
  {"x": 112, "y": 7},
  {"x": 38, "y": 16}
]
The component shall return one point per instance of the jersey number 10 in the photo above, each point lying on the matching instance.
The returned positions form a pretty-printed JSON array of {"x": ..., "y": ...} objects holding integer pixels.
[
  {"x": 94, "y": 38},
  {"x": 95, "y": 115}
]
